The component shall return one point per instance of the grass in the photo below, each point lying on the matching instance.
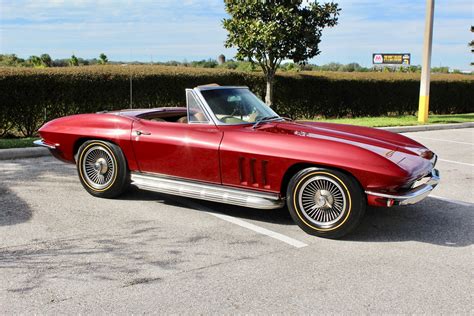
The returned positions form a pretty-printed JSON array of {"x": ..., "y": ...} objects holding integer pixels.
[
  {"x": 382, "y": 121},
  {"x": 17, "y": 142},
  {"x": 405, "y": 120}
]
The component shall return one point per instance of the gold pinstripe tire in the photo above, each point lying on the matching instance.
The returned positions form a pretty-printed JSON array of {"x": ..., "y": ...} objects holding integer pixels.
[
  {"x": 102, "y": 168},
  {"x": 325, "y": 202}
]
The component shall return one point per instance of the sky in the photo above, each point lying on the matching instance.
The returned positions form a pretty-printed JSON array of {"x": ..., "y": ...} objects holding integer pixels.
[{"x": 162, "y": 30}]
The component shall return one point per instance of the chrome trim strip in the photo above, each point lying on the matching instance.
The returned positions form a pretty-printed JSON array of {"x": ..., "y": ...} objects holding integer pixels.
[
  {"x": 434, "y": 160},
  {"x": 41, "y": 143},
  {"x": 204, "y": 87},
  {"x": 206, "y": 106},
  {"x": 205, "y": 191},
  {"x": 415, "y": 195}
]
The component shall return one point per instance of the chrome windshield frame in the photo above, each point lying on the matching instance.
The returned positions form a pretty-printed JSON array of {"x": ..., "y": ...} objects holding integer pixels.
[
  {"x": 208, "y": 109},
  {"x": 203, "y": 105}
]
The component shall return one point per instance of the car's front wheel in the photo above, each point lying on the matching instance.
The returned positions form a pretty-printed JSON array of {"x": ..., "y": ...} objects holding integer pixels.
[
  {"x": 102, "y": 168},
  {"x": 325, "y": 202}
]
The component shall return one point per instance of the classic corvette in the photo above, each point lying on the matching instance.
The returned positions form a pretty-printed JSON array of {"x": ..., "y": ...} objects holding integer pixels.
[{"x": 227, "y": 146}]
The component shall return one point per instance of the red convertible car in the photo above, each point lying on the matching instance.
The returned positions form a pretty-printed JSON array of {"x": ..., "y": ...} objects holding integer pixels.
[{"x": 227, "y": 146}]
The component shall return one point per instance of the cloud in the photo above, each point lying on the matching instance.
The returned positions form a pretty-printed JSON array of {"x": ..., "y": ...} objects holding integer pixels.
[
  {"x": 366, "y": 27},
  {"x": 191, "y": 29},
  {"x": 123, "y": 29}
]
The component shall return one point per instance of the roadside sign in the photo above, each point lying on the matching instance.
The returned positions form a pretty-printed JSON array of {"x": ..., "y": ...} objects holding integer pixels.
[
  {"x": 391, "y": 59},
  {"x": 378, "y": 59}
]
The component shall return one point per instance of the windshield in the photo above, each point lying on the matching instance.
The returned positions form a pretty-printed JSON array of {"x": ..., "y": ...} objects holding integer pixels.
[{"x": 234, "y": 106}]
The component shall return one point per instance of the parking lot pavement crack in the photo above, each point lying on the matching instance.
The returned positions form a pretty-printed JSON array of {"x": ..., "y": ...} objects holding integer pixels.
[
  {"x": 232, "y": 261},
  {"x": 141, "y": 281}
]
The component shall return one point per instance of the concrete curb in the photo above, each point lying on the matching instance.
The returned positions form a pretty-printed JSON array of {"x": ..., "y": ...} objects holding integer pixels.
[
  {"x": 422, "y": 128},
  {"x": 32, "y": 152},
  {"x": 19, "y": 153}
]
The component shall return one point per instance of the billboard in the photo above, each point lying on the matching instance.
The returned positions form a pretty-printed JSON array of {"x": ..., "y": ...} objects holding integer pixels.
[{"x": 391, "y": 59}]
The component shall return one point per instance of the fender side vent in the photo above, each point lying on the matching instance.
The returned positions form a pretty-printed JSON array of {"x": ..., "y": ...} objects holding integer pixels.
[
  {"x": 264, "y": 173},
  {"x": 252, "y": 172},
  {"x": 242, "y": 171}
]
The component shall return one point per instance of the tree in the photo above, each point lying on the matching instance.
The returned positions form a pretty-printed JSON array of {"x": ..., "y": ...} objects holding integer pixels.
[
  {"x": 267, "y": 32},
  {"x": 103, "y": 59},
  {"x": 64, "y": 62},
  {"x": 352, "y": 67},
  {"x": 46, "y": 60},
  {"x": 73, "y": 61},
  {"x": 35, "y": 61},
  {"x": 11, "y": 60}
]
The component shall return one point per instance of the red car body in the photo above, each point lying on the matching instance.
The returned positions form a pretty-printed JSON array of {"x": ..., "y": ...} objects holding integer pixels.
[
  {"x": 241, "y": 156},
  {"x": 227, "y": 146}
]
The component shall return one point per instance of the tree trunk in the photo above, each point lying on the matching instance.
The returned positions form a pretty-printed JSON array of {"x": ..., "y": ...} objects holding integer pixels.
[{"x": 269, "y": 94}]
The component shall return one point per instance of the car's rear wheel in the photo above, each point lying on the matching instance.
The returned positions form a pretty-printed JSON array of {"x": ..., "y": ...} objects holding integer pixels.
[
  {"x": 102, "y": 168},
  {"x": 325, "y": 202}
]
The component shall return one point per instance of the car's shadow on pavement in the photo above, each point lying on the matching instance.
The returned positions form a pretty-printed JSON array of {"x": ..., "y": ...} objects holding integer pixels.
[
  {"x": 431, "y": 221},
  {"x": 135, "y": 194},
  {"x": 13, "y": 210},
  {"x": 44, "y": 174},
  {"x": 277, "y": 216}
]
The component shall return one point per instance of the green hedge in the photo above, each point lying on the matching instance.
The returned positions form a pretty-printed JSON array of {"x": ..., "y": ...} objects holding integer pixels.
[
  {"x": 29, "y": 97},
  {"x": 310, "y": 96}
]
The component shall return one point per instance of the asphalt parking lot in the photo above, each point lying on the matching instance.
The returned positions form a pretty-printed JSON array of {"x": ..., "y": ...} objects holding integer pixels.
[{"x": 64, "y": 251}]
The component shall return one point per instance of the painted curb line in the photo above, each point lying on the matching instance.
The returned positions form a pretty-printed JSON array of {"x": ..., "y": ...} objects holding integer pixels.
[
  {"x": 33, "y": 152},
  {"x": 19, "y": 153},
  {"x": 422, "y": 128}
]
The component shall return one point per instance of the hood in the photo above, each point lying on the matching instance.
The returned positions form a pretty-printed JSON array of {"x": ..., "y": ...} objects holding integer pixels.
[{"x": 395, "y": 147}]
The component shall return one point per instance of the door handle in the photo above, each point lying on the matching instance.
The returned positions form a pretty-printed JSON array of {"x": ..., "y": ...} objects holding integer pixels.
[{"x": 142, "y": 133}]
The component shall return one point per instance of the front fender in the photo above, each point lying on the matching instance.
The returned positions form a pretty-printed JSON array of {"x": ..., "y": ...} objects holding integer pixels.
[{"x": 271, "y": 155}]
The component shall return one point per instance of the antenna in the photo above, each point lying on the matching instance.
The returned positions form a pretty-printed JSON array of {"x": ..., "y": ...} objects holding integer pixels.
[
  {"x": 131, "y": 84},
  {"x": 131, "y": 87}
]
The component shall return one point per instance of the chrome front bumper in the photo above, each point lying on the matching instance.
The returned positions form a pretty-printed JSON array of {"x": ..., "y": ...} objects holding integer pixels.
[
  {"x": 41, "y": 143},
  {"x": 415, "y": 195}
]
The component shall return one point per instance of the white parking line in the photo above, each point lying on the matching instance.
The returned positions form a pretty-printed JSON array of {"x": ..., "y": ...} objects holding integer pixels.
[
  {"x": 237, "y": 221},
  {"x": 260, "y": 230},
  {"x": 451, "y": 200},
  {"x": 457, "y": 162},
  {"x": 444, "y": 140}
]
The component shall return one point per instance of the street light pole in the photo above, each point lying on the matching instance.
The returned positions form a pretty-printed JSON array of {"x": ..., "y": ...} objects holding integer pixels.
[{"x": 423, "y": 106}]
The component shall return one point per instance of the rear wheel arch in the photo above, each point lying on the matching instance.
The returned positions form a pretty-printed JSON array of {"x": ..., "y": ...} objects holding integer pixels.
[{"x": 78, "y": 143}]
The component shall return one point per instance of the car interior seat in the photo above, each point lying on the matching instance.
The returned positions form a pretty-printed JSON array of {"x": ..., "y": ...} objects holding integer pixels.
[
  {"x": 199, "y": 117},
  {"x": 183, "y": 119}
]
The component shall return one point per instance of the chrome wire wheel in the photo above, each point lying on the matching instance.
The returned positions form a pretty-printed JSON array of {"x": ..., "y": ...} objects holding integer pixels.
[
  {"x": 98, "y": 167},
  {"x": 322, "y": 201}
]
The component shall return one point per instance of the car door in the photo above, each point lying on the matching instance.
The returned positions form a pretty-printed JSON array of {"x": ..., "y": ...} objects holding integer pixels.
[{"x": 186, "y": 150}]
